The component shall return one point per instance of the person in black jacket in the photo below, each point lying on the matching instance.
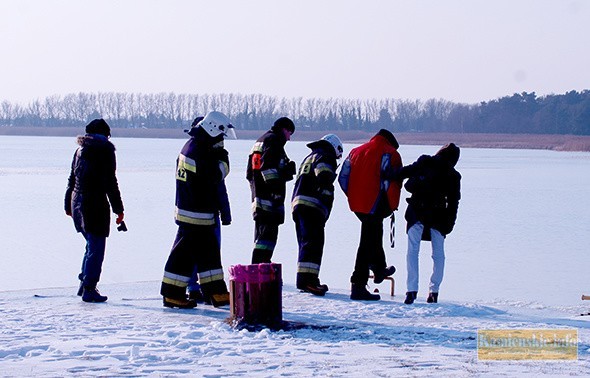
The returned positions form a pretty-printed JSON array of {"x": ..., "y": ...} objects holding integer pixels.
[
  {"x": 92, "y": 185},
  {"x": 200, "y": 168},
  {"x": 268, "y": 171},
  {"x": 435, "y": 186},
  {"x": 312, "y": 201}
]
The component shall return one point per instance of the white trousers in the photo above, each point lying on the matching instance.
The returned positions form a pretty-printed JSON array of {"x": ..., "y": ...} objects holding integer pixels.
[{"x": 438, "y": 257}]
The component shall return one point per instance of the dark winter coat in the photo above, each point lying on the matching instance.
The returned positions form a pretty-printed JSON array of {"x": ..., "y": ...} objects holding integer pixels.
[
  {"x": 435, "y": 186},
  {"x": 268, "y": 170},
  {"x": 200, "y": 168},
  {"x": 314, "y": 187},
  {"x": 92, "y": 185}
]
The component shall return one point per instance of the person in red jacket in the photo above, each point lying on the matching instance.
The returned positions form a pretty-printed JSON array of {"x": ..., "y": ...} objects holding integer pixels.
[{"x": 372, "y": 196}]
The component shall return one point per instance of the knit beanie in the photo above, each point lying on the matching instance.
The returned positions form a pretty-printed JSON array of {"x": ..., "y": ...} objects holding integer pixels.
[{"x": 98, "y": 126}]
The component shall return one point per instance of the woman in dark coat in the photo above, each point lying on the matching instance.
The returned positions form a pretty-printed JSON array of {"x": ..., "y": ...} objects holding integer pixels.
[
  {"x": 431, "y": 213},
  {"x": 92, "y": 190}
]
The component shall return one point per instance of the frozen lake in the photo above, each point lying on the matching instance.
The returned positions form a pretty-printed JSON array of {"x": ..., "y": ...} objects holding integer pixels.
[{"x": 520, "y": 235}]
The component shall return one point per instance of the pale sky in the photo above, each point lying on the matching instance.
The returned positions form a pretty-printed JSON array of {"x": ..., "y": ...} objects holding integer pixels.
[{"x": 463, "y": 51}]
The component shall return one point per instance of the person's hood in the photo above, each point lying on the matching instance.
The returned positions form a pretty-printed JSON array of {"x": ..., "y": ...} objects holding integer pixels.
[
  {"x": 93, "y": 140},
  {"x": 449, "y": 153},
  {"x": 388, "y": 136}
]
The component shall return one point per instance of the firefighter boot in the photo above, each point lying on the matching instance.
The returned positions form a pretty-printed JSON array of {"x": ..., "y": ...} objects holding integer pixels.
[
  {"x": 180, "y": 303},
  {"x": 91, "y": 294}
]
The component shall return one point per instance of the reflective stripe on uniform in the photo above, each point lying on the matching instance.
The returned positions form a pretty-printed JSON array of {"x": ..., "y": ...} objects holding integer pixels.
[
  {"x": 265, "y": 245},
  {"x": 191, "y": 217},
  {"x": 322, "y": 167},
  {"x": 270, "y": 174},
  {"x": 309, "y": 201},
  {"x": 175, "y": 279},
  {"x": 187, "y": 163},
  {"x": 308, "y": 267},
  {"x": 257, "y": 147},
  {"x": 266, "y": 205},
  {"x": 210, "y": 276},
  {"x": 224, "y": 168}
]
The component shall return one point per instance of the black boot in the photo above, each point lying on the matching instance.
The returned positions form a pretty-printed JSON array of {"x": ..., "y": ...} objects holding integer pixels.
[
  {"x": 80, "y": 289},
  {"x": 221, "y": 299},
  {"x": 180, "y": 303},
  {"x": 359, "y": 292},
  {"x": 380, "y": 275},
  {"x": 310, "y": 283},
  {"x": 197, "y": 295},
  {"x": 215, "y": 293},
  {"x": 92, "y": 295},
  {"x": 432, "y": 298},
  {"x": 411, "y": 297},
  {"x": 315, "y": 289}
]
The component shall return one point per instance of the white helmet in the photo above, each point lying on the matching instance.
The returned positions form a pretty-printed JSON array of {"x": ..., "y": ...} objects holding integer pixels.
[
  {"x": 336, "y": 144},
  {"x": 216, "y": 123}
]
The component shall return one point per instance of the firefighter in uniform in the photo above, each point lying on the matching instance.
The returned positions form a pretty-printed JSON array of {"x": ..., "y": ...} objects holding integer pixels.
[
  {"x": 312, "y": 201},
  {"x": 268, "y": 171},
  {"x": 200, "y": 168}
]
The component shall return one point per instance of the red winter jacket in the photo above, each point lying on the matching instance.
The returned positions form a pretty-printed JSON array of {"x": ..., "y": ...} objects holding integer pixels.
[{"x": 363, "y": 174}]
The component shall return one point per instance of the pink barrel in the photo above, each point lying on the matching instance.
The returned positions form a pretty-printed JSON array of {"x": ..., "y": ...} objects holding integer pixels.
[{"x": 256, "y": 294}]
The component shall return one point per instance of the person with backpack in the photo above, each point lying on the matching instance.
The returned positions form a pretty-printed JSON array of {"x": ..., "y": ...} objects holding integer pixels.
[
  {"x": 313, "y": 197},
  {"x": 200, "y": 168},
  {"x": 268, "y": 171},
  {"x": 372, "y": 196},
  {"x": 435, "y": 190},
  {"x": 93, "y": 189}
]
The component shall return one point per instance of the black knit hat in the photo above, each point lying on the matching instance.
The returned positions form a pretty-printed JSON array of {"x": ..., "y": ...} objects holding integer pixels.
[
  {"x": 389, "y": 136},
  {"x": 98, "y": 126},
  {"x": 284, "y": 123}
]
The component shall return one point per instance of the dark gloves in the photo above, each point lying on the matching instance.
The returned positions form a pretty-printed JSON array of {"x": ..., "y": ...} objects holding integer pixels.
[{"x": 289, "y": 171}]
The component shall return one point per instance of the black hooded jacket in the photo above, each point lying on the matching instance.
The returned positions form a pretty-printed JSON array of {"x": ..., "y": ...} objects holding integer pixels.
[
  {"x": 435, "y": 186},
  {"x": 92, "y": 185}
]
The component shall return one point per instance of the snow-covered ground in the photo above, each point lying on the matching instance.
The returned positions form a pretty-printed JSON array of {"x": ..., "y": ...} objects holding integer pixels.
[{"x": 518, "y": 259}]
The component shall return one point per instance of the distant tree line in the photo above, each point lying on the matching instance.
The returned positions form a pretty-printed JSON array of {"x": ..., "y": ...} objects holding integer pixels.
[{"x": 567, "y": 113}]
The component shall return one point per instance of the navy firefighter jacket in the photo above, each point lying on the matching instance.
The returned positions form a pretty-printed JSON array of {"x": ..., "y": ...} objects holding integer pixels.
[
  {"x": 268, "y": 171},
  {"x": 314, "y": 187},
  {"x": 200, "y": 168}
]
